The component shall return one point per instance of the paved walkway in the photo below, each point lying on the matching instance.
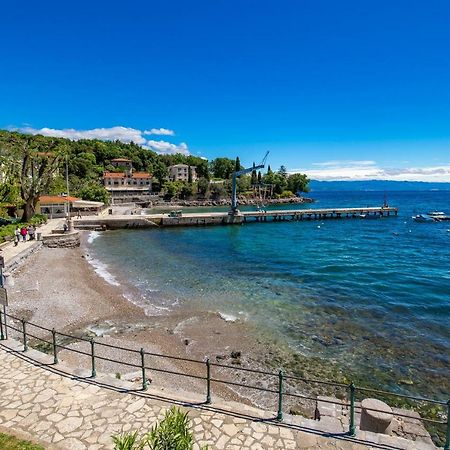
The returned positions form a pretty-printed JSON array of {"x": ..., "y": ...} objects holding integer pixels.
[
  {"x": 66, "y": 412},
  {"x": 10, "y": 251}
]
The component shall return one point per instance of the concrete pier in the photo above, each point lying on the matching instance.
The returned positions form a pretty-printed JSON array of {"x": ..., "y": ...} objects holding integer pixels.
[{"x": 224, "y": 218}]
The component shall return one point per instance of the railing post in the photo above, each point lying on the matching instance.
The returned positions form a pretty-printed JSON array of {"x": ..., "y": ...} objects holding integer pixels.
[
  {"x": 94, "y": 373},
  {"x": 352, "y": 429},
  {"x": 6, "y": 325},
  {"x": 447, "y": 439},
  {"x": 280, "y": 396},
  {"x": 208, "y": 382},
  {"x": 144, "y": 378},
  {"x": 55, "y": 350},
  {"x": 24, "y": 331},
  {"x": 2, "y": 336}
]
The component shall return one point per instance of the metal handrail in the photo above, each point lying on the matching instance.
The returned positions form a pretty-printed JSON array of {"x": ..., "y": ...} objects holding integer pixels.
[{"x": 352, "y": 389}]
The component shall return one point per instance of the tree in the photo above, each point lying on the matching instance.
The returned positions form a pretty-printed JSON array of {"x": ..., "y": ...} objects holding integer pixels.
[
  {"x": 95, "y": 193},
  {"x": 160, "y": 172},
  {"x": 186, "y": 191},
  {"x": 259, "y": 177},
  {"x": 222, "y": 168},
  {"x": 237, "y": 166},
  {"x": 202, "y": 186},
  {"x": 298, "y": 182},
  {"x": 172, "y": 188},
  {"x": 283, "y": 171},
  {"x": 189, "y": 175},
  {"x": 254, "y": 178},
  {"x": 38, "y": 159}
]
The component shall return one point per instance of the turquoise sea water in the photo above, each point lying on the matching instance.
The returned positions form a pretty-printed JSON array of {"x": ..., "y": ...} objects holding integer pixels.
[{"x": 371, "y": 297}]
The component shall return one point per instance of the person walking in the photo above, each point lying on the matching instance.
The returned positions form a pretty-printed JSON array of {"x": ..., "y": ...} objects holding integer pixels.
[
  {"x": 31, "y": 232},
  {"x": 24, "y": 232},
  {"x": 16, "y": 236}
]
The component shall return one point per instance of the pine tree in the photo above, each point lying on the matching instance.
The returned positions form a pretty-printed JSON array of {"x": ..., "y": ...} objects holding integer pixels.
[{"x": 238, "y": 164}]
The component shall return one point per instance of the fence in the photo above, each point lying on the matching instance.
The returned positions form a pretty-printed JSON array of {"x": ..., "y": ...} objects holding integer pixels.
[{"x": 22, "y": 328}]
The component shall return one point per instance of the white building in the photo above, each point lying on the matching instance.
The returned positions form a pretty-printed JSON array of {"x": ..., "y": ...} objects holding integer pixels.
[{"x": 180, "y": 172}]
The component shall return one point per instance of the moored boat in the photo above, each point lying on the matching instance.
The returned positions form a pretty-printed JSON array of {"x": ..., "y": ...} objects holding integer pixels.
[
  {"x": 438, "y": 215},
  {"x": 423, "y": 218}
]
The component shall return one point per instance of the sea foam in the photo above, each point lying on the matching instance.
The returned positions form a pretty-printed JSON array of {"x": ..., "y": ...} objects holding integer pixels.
[
  {"x": 101, "y": 270},
  {"x": 92, "y": 236}
]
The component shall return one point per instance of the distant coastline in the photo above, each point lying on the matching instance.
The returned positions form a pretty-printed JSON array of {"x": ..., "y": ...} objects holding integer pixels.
[{"x": 376, "y": 185}]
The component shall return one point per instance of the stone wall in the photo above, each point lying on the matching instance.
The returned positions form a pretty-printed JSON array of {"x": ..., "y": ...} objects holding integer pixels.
[{"x": 62, "y": 240}]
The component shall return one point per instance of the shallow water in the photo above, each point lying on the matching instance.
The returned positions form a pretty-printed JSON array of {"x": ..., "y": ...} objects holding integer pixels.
[{"x": 371, "y": 297}]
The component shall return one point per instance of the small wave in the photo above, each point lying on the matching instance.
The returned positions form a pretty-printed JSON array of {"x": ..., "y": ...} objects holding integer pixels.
[
  {"x": 92, "y": 236},
  {"x": 149, "y": 308},
  {"x": 101, "y": 270},
  {"x": 227, "y": 317}
]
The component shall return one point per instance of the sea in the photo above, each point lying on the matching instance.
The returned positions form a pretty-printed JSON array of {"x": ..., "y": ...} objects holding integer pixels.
[{"x": 368, "y": 297}]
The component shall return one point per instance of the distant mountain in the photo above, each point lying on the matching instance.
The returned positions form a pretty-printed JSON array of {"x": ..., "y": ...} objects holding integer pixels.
[{"x": 376, "y": 185}]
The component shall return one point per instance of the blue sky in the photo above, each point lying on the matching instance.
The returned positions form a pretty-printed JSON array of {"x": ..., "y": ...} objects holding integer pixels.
[{"x": 339, "y": 89}]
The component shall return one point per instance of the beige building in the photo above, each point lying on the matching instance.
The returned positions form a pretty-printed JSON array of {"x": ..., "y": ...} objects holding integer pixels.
[
  {"x": 125, "y": 187},
  {"x": 180, "y": 172}
]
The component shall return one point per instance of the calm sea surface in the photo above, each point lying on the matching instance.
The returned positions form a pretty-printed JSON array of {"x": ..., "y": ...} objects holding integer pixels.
[{"x": 371, "y": 297}]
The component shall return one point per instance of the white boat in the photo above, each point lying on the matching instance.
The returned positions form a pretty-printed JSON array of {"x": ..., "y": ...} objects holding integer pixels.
[{"x": 438, "y": 215}]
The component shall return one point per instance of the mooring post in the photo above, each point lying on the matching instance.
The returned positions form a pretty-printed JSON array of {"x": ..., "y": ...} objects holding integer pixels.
[
  {"x": 24, "y": 332},
  {"x": 208, "y": 382},
  {"x": 55, "y": 350},
  {"x": 447, "y": 439},
  {"x": 352, "y": 430},
  {"x": 94, "y": 372},
  {"x": 280, "y": 396},
  {"x": 144, "y": 377}
]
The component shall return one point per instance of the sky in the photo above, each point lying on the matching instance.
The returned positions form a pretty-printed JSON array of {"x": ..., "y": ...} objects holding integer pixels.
[{"x": 344, "y": 89}]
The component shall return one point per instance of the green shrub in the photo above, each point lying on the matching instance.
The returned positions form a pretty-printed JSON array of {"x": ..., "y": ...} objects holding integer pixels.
[
  {"x": 128, "y": 441},
  {"x": 7, "y": 231},
  {"x": 172, "y": 433}
]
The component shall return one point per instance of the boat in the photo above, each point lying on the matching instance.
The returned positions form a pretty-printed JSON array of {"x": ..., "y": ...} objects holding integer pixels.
[
  {"x": 423, "y": 218},
  {"x": 438, "y": 216}
]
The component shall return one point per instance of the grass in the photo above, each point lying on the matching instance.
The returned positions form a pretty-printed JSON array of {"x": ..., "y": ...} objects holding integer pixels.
[{"x": 8, "y": 442}]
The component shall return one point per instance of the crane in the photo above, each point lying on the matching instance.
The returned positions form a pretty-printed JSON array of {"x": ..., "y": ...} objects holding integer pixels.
[{"x": 243, "y": 172}]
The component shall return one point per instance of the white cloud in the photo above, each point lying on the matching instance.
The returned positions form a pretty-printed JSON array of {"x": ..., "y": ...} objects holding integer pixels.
[
  {"x": 122, "y": 134},
  {"x": 167, "y": 148},
  {"x": 119, "y": 133},
  {"x": 160, "y": 131},
  {"x": 370, "y": 170}
]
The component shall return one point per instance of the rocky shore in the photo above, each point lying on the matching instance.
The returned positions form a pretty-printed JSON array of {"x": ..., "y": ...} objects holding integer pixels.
[{"x": 227, "y": 202}]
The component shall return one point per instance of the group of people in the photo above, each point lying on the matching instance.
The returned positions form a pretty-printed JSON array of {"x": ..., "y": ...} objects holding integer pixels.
[{"x": 21, "y": 233}]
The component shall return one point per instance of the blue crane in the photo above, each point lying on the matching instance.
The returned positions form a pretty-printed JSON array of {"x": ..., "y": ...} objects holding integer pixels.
[{"x": 234, "y": 202}]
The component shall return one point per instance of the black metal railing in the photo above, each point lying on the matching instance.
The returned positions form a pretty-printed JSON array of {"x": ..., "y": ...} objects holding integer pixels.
[{"x": 22, "y": 329}]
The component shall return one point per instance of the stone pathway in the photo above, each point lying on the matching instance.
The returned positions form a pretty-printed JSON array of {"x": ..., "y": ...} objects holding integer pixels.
[
  {"x": 13, "y": 252},
  {"x": 65, "y": 412}
]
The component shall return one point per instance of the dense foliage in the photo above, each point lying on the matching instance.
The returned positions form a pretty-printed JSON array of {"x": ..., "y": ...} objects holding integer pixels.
[{"x": 34, "y": 165}]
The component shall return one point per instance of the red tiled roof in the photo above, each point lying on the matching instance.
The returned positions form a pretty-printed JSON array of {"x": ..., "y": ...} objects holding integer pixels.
[
  {"x": 50, "y": 199},
  {"x": 113, "y": 175},
  {"x": 141, "y": 175}
]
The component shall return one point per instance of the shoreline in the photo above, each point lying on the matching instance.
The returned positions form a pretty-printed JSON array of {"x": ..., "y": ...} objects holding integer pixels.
[{"x": 83, "y": 303}]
